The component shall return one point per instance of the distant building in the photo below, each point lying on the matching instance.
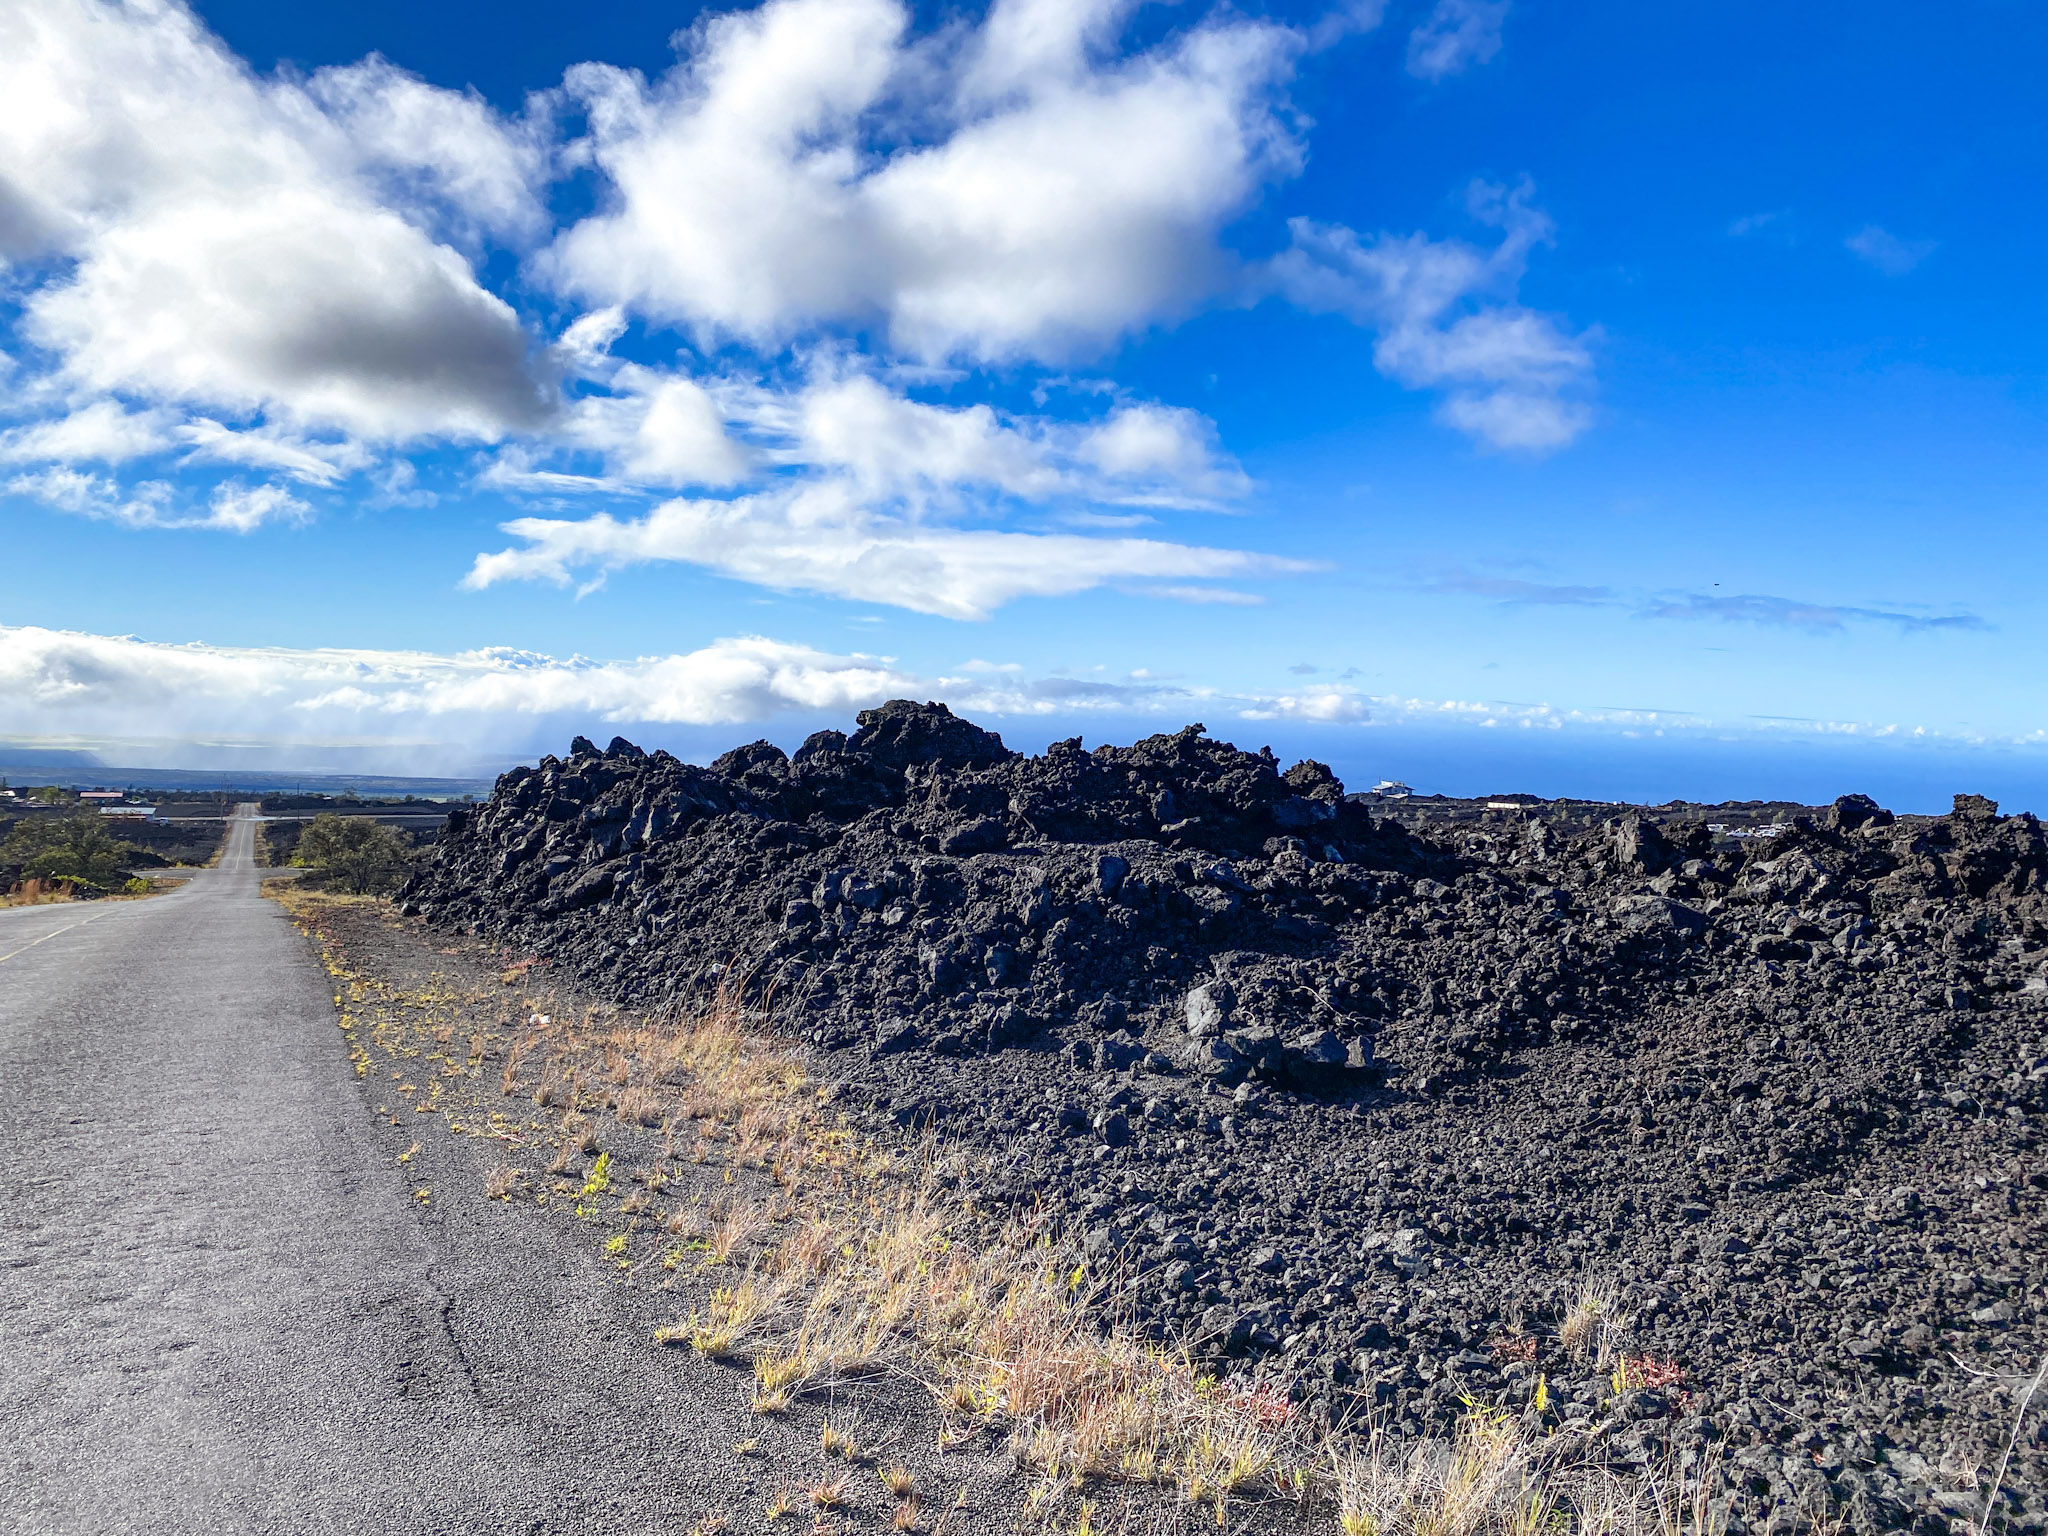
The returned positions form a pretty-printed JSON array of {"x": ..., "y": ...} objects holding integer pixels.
[
  {"x": 103, "y": 794},
  {"x": 1391, "y": 789},
  {"x": 136, "y": 812},
  {"x": 1514, "y": 803}
]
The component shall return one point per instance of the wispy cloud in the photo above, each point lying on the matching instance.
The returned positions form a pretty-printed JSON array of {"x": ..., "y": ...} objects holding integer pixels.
[
  {"x": 1792, "y": 613},
  {"x": 307, "y": 461},
  {"x": 1223, "y": 595},
  {"x": 1743, "y": 608},
  {"x": 1880, "y": 248},
  {"x": 1448, "y": 320},
  {"x": 232, "y": 506},
  {"x": 1456, "y": 35},
  {"x": 1046, "y": 693},
  {"x": 1511, "y": 590},
  {"x": 101, "y": 432},
  {"x": 1639, "y": 723},
  {"x": 821, "y": 537},
  {"x": 1773, "y": 220}
]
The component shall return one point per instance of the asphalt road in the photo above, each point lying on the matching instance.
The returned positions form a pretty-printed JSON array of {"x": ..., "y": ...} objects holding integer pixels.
[{"x": 221, "y": 1309}]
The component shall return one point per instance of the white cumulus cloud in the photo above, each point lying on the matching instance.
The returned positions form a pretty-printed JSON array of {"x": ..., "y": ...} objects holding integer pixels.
[
  {"x": 268, "y": 285},
  {"x": 445, "y": 149},
  {"x": 747, "y": 201},
  {"x": 1164, "y": 455},
  {"x": 1329, "y": 706},
  {"x": 223, "y": 243},
  {"x": 657, "y": 428}
]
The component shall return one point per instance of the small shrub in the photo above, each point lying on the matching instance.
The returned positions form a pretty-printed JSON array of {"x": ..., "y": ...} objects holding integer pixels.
[{"x": 353, "y": 853}]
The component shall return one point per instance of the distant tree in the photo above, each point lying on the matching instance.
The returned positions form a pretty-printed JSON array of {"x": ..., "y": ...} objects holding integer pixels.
[
  {"x": 353, "y": 852},
  {"x": 76, "y": 850}
]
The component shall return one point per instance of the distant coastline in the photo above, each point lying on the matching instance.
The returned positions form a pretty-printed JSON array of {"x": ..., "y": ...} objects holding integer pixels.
[{"x": 83, "y": 771}]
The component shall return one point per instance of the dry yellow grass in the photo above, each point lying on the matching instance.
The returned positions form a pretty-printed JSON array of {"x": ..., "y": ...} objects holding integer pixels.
[
  {"x": 1591, "y": 1323},
  {"x": 859, "y": 1261},
  {"x": 1497, "y": 1479},
  {"x": 638, "y": 1106},
  {"x": 37, "y": 893},
  {"x": 825, "y": 1257},
  {"x": 45, "y": 893},
  {"x": 869, "y": 1264}
]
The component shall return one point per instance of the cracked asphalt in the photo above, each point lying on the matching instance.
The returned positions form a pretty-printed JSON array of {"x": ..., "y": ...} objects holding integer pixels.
[{"x": 223, "y": 1307}]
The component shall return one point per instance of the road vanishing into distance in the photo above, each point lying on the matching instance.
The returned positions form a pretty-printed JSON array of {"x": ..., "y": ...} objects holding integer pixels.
[{"x": 221, "y": 1309}]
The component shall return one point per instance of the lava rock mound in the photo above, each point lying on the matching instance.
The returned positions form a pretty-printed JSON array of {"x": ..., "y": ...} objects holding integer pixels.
[
  {"x": 919, "y": 884},
  {"x": 1359, "y": 1107}
]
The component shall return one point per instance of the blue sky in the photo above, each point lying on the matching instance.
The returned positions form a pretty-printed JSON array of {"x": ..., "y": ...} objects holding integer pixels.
[{"x": 1636, "y": 401}]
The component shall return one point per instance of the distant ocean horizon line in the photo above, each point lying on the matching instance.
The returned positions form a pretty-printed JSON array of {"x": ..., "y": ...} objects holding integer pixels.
[{"x": 1917, "y": 777}]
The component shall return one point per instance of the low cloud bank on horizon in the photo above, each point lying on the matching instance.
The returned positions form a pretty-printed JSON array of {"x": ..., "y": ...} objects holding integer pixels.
[
  {"x": 239, "y": 293},
  {"x": 70, "y": 686}
]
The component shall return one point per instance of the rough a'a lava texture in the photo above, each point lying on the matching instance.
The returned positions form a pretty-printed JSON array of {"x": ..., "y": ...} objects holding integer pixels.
[{"x": 1360, "y": 1109}]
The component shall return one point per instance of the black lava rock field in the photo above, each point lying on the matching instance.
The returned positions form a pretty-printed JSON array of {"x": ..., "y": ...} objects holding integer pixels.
[{"x": 1732, "y": 1145}]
